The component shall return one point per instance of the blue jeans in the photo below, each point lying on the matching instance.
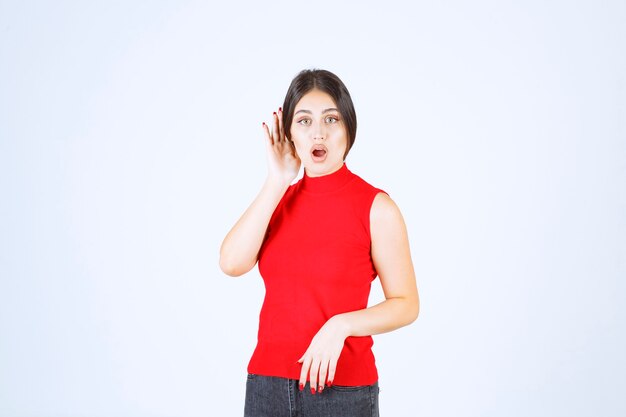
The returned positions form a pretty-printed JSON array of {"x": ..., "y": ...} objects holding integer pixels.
[{"x": 269, "y": 396}]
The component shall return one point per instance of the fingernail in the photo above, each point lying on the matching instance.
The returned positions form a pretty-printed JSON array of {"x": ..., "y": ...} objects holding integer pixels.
[
  {"x": 301, "y": 386},
  {"x": 274, "y": 113},
  {"x": 321, "y": 388},
  {"x": 312, "y": 390},
  {"x": 329, "y": 383},
  {"x": 263, "y": 123},
  {"x": 280, "y": 109}
]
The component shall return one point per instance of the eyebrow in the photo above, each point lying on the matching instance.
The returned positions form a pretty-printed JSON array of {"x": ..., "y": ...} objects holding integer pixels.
[{"x": 310, "y": 112}]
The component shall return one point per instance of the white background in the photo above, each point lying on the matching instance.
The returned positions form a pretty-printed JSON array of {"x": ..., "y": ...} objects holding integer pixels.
[{"x": 130, "y": 143}]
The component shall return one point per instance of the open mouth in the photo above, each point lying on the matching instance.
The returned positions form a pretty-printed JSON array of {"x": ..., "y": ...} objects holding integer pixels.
[{"x": 319, "y": 153}]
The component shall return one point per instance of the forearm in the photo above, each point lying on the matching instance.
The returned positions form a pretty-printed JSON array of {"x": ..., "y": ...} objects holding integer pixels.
[
  {"x": 389, "y": 315},
  {"x": 240, "y": 248}
]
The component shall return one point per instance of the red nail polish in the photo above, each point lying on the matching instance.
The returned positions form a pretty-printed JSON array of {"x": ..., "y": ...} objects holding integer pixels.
[
  {"x": 329, "y": 383},
  {"x": 312, "y": 390},
  {"x": 320, "y": 389},
  {"x": 274, "y": 113},
  {"x": 280, "y": 109},
  {"x": 263, "y": 123},
  {"x": 301, "y": 386}
]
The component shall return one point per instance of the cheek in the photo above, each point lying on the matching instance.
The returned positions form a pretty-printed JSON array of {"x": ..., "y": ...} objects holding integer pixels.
[
  {"x": 293, "y": 135},
  {"x": 297, "y": 144},
  {"x": 297, "y": 141},
  {"x": 300, "y": 150},
  {"x": 340, "y": 134}
]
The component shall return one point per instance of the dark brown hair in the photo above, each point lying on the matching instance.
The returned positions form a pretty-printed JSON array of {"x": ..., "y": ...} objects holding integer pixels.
[{"x": 329, "y": 83}]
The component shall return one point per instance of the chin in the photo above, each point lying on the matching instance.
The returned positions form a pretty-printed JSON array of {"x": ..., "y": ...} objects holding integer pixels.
[{"x": 326, "y": 167}]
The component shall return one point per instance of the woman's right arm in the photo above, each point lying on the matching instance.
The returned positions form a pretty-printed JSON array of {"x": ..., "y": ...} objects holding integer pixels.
[{"x": 240, "y": 248}]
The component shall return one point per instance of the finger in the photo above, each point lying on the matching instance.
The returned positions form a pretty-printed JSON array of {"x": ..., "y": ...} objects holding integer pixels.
[
  {"x": 332, "y": 367},
  {"x": 275, "y": 129},
  {"x": 280, "y": 124},
  {"x": 323, "y": 373},
  {"x": 306, "y": 363},
  {"x": 267, "y": 134},
  {"x": 315, "y": 367}
]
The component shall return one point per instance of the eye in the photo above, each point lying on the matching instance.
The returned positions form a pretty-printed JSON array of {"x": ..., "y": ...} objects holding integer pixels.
[
  {"x": 304, "y": 122},
  {"x": 331, "y": 119}
]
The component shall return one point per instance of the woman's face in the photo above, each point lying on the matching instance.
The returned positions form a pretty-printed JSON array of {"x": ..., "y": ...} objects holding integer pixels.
[{"x": 319, "y": 134}]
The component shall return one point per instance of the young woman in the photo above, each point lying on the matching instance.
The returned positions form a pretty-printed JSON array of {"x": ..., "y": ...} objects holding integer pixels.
[{"x": 319, "y": 242}]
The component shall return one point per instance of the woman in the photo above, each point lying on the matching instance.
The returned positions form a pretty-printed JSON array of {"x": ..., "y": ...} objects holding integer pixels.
[{"x": 319, "y": 242}]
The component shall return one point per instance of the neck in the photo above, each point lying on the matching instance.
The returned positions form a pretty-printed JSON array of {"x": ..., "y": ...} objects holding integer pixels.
[{"x": 327, "y": 182}]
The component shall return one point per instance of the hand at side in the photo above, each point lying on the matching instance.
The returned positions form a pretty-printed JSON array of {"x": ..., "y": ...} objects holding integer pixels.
[{"x": 319, "y": 362}]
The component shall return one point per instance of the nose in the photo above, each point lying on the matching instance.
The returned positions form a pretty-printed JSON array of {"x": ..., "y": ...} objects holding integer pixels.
[{"x": 319, "y": 133}]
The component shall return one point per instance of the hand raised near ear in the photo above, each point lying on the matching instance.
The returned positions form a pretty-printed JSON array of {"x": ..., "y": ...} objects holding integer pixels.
[{"x": 283, "y": 161}]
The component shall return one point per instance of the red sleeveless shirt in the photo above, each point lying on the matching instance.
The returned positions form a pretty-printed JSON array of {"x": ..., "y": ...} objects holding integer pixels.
[{"x": 316, "y": 262}]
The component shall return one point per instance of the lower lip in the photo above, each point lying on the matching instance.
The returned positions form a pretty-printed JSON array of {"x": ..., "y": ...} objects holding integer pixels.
[{"x": 319, "y": 158}]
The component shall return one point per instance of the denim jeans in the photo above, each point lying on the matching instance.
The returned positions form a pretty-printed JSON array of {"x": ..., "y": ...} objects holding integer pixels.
[{"x": 269, "y": 396}]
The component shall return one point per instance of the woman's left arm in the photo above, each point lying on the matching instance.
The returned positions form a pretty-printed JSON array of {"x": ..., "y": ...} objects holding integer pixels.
[{"x": 392, "y": 259}]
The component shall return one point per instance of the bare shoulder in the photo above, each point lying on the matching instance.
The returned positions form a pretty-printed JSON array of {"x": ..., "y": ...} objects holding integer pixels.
[{"x": 384, "y": 211}]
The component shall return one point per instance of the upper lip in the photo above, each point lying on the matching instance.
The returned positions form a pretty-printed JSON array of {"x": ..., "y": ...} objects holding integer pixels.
[{"x": 317, "y": 147}]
